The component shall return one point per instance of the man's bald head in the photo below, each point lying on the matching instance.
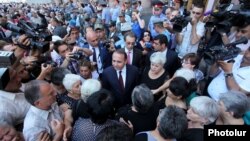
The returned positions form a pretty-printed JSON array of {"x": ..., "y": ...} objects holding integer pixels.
[{"x": 92, "y": 39}]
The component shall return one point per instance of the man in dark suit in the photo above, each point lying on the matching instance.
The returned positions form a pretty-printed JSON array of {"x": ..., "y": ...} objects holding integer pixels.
[
  {"x": 173, "y": 62},
  {"x": 134, "y": 55},
  {"x": 120, "y": 78}
]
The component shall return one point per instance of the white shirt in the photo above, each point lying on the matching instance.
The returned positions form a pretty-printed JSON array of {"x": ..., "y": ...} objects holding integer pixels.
[
  {"x": 131, "y": 55},
  {"x": 241, "y": 76},
  {"x": 98, "y": 58},
  {"x": 13, "y": 107},
  {"x": 38, "y": 120},
  {"x": 124, "y": 71},
  {"x": 186, "y": 47}
]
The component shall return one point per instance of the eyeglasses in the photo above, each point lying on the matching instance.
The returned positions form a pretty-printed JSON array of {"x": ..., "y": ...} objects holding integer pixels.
[
  {"x": 197, "y": 13},
  {"x": 145, "y": 35}
]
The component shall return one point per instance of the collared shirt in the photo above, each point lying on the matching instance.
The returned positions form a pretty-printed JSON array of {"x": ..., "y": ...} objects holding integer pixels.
[
  {"x": 72, "y": 66},
  {"x": 186, "y": 47},
  {"x": 240, "y": 74},
  {"x": 38, "y": 120},
  {"x": 165, "y": 52},
  {"x": 13, "y": 107},
  {"x": 98, "y": 58},
  {"x": 131, "y": 55},
  {"x": 124, "y": 72}
]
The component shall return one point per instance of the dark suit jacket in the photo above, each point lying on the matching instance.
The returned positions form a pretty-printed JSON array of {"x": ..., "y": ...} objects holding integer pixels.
[
  {"x": 173, "y": 62},
  {"x": 110, "y": 81},
  {"x": 137, "y": 58}
]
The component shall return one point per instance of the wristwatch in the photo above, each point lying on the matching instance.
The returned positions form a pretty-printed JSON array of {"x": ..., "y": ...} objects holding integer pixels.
[{"x": 228, "y": 75}]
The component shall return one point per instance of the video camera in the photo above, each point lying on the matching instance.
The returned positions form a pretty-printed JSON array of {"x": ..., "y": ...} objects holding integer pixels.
[
  {"x": 39, "y": 38},
  {"x": 179, "y": 22},
  {"x": 6, "y": 59},
  {"x": 228, "y": 52},
  {"x": 229, "y": 15},
  {"x": 78, "y": 55}
]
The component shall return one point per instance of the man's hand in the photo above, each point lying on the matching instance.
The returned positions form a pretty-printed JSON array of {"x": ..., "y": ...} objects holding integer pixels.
[
  {"x": 194, "y": 21},
  {"x": 23, "y": 40},
  {"x": 226, "y": 67},
  {"x": 44, "y": 136},
  {"x": 57, "y": 126},
  {"x": 69, "y": 55}
]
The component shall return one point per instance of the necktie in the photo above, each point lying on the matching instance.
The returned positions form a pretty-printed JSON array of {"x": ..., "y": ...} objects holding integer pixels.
[
  {"x": 128, "y": 58},
  {"x": 94, "y": 55},
  {"x": 121, "y": 81}
]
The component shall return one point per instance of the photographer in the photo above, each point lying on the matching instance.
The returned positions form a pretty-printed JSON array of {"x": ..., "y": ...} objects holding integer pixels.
[
  {"x": 230, "y": 76},
  {"x": 188, "y": 40},
  {"x": 69, "y": 59}
]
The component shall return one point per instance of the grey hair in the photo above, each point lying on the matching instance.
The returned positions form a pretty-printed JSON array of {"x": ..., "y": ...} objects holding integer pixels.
[
  {"x": 69, "y": 80},
  {"x": 158, "y": 58},
  {"x": 172, "y": 122},
  {"x": 142, "y": 98},
  {"x": 206, "y": 108},
  {"x": 236, "y": 102},
  {"x": 32, "y": 90},
  {"x": 88, "y": 87}
]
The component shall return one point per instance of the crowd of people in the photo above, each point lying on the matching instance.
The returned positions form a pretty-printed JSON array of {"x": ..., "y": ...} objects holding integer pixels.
[{"x": 94, "y": 70}]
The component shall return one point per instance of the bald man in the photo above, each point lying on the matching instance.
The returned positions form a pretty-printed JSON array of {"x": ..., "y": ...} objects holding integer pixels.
[{"x": 101, "y": 58}]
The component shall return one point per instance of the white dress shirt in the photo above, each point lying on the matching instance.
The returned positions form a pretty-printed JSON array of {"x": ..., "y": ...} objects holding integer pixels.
[
  {"x": 240, "y": 74},
  {"x": 13, "y": 107},
  {"x": 124, "y": 71},
  {"x": 38, "y": 120}
]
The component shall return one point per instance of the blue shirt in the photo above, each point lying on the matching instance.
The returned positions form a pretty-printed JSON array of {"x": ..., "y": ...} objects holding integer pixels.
[{"x": 136, "y": 29}]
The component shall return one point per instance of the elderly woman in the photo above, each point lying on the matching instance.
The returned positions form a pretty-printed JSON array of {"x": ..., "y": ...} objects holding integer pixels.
[
  {"x": 171, "y": 124},
  {"x": 156, "y": 75},
  {"x": 72, "y": 84},
  {"x": 141, "y": 114},
  {"x": 88, "y": 87},
  {"x": 233, "y": 106},
  {"x": 202, "y": 111}
]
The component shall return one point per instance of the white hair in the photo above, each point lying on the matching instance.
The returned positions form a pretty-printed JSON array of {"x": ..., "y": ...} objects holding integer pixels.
[
  {"x": 158, "y": 58},
  {"x": 89, "y": 86},
  {"x": 69, "y": 80},
  {"x": 206, "y": 108},
  {"x": 185, "y": 73}
]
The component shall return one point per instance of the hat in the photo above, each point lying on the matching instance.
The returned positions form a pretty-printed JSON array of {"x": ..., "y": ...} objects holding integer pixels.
[
  {"x": 134, "y": 1},
  {"x": 113, "y": 23},
  {"x": 158, "y": 21},
  {"x": 126, "y": 26},
  {"x": 158, "y": 4},
  {"x": 127, "y": 1},
  {"x": 102, "y": 2},
  {"x": 121, "y": 14},
  {"x": 72, "y": 23},
  {"x": 98, "y": 27}
]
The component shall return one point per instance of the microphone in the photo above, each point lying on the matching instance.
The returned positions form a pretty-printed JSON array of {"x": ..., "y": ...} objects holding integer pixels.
[{"x": 243, "y": 40}]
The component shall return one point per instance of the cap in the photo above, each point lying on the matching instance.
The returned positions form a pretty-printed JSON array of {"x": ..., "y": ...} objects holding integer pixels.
[
  {"x": 121, "y": 14},
  {"x": 157, "y": 21},
  {"x": 98, "y": 27},
  {"x": 134, "y": 1},
  {"x": 72, "y": 23},
  {"x": 158, "y": 4},
  {"x": 102, "y": 2},
  {"x": 113, "y": 23},
  {"x": 126, "y": 26},
  {"x": 127, "y": 1}
]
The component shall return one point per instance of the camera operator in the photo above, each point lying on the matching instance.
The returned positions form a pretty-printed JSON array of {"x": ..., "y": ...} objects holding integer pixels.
[
  {"x": 188, "y": 40},
  {"x": 68, "y": 59},
  {"x": 230, "y": 76}
]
